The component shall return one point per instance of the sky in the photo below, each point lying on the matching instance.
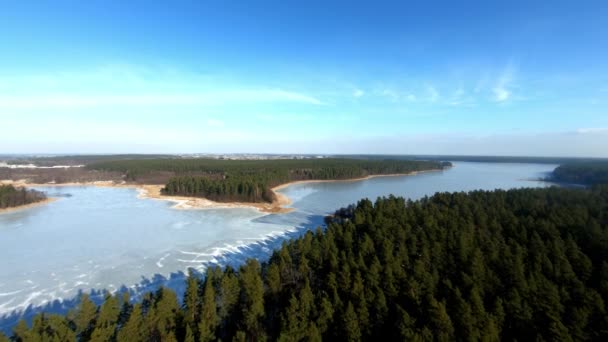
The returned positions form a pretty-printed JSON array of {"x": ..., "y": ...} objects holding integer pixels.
[{"x": 404, "y": 77}]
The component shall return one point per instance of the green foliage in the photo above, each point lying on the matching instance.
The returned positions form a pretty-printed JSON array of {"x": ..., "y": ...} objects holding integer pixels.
[
  {"x": 523, "y": 265},
  {"x": 13, "y": 197},
  {"x": 208, "y": 319},
  {"x": 84, "y": 317},
  {"x": 252, "y": 298},
  {"x": 252, "y": 180},
  {"x": 133, "y": 330},
  {"x": 589, "y": 173}
]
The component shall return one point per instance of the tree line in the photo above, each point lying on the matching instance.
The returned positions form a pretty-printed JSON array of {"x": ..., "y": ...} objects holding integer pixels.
[
  {"x": 252, "y": 180},
  {"x": 526, "y": 264},
  {"x": 587, "y": 173},
  {"x": 305, "y": 168},
  {"x": 11, "y": 196}
]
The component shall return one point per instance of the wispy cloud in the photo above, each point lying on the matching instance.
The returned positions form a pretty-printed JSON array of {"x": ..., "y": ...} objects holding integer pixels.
[
  {"x": 460, "y": 97},
  {"x": 202, "y": 98},
  {"x": 358, "y": 92},
  {"x": 124, "y": 86},
  {"x": 395, "y": 95},
  {"x": 592, "y": 130},
  {"x": 501, "y": 90},
  {"x": 433, "y": 93}
]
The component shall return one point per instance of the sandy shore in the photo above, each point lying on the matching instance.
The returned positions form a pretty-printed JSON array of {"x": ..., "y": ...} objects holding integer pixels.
[
  {"x": 27, "y": 206},
  {"x": 188, "y": 203},
  {"x": 150, "y": 191},
  {"x": 185, "y": 203}
]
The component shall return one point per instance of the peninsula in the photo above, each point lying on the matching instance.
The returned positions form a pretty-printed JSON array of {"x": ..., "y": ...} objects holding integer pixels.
[
  {"x": 12, "y": 197},
  {"x": 205, "y": 182}
]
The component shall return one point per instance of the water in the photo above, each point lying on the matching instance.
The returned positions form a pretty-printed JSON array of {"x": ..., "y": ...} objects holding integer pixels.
[{"x": 107, "y": 238}]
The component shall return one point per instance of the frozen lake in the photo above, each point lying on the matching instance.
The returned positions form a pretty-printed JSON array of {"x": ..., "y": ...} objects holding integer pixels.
[{"x": 107, "y": 238}]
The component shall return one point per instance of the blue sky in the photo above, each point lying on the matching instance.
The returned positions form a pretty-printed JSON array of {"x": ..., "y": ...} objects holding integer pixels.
[{"x": 453, "y": 77}]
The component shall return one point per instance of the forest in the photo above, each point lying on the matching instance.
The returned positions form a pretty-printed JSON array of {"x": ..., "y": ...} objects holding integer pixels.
[
  {"x": 11, "y": 196},
  {"x": 525, "y": 264},
  {"x": 587, "y": 173},
  {"x": 252, "y": 180}
]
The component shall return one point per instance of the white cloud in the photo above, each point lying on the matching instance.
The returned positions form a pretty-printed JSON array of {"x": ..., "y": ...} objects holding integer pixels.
[
  {"x": 358, "y": 93},
  {"x": 502, "y": 90},
  {"x": 501, "y": 94}
]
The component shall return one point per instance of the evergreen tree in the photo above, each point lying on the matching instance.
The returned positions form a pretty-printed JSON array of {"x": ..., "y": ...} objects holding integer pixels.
[
  {"x": 84, "y": 317},
  {"x": 350, "y": 323},
  {"x": 208, "y": 312},
  {"x": 133, "y": 330},
  {"x": 252, "y": 298},
  {"x": 191, "y": 302}
]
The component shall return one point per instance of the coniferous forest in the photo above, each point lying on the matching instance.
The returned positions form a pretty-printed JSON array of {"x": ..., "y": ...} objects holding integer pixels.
[
  {"x": 14, "y": 197},
  {"x": 252, "y": 180},
  {"x": 527, "y": 264},
  {"x": 588, "y": 173}
]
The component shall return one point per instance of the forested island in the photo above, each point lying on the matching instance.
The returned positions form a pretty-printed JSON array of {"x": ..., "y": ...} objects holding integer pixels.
[
  {"x": 11, "y": 197},
  {"x": 252, "y": 180},
  {"x": 527, "y": 264},
  {"x": 587, "y": 173}
]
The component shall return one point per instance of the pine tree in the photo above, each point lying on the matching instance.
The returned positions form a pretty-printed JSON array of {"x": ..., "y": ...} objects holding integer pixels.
[
  {"x": 209, "y": 320},
  {"x": 252, "y": 296},
  {"x": 191, "y": 301},
  {"x": 107, "y": 319},
  {"x": 133, "y": 330},
  {"x": 84, "y": 317},
  {"x": 350, "y": 323},
  {"x": 189, "y": 335},
  {"x": 21, "y": 332},
  {"x": 165, "y": 314}
]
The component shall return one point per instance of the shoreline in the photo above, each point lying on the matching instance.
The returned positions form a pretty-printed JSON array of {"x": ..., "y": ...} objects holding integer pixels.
[
  {"x": 152, "y": 191},
  {"x": 413, "y": 173},
  {"x": 27, "y": 206}
]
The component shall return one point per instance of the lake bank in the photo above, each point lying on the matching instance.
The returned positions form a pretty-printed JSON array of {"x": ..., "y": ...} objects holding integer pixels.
[
  {"x": 27, "y": 206},
  {"x": 105, "y": 237},
  {"x": 153, "y": 191},
  {"x": 282, "y": 186}
]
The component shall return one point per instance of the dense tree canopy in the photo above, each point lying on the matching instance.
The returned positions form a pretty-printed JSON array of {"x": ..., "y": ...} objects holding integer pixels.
[
  {"x": 528, "y": 264},
  {"x": 588, "y": 173},
  {"x": 252, "y": 180},
  {"x": 14, "y": 197}
]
